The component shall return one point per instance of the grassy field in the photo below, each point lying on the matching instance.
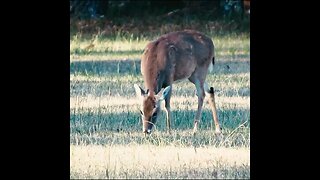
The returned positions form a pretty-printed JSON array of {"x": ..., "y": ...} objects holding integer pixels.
[{"x": 106, "y": 139}]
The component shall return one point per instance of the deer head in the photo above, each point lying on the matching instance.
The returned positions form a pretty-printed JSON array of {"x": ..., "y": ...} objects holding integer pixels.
[{"x": 150, "y": 106}]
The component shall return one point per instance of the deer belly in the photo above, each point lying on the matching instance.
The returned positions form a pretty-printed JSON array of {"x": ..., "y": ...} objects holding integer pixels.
[
  {"x": 182, "y": 76},
  {"x": 184, "y": 71}
]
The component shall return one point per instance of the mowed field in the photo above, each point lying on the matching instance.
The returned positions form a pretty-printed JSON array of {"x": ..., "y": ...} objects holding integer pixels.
[{"x": 106, "y": 139}]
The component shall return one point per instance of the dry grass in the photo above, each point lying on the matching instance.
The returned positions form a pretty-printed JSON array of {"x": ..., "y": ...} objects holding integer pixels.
[
  {"x": 149, "y": 161},
  {"x": 177, "y": 103}
]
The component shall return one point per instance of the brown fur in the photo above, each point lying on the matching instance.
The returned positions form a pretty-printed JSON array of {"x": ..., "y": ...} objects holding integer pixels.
[
  {"x": 175, "y": 56},
  {"x": 159, "y": 69},
  {"x": 149, "y": 105}
]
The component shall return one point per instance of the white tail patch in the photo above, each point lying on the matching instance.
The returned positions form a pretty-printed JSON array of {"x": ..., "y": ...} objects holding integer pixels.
[{"x": 210, "y": 67}]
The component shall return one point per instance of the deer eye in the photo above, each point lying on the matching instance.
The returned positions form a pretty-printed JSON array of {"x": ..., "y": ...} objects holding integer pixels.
[{"x": 141, "y": 112}]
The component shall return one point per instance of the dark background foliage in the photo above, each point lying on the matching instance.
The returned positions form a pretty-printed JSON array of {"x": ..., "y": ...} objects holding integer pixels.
[{"x": 145, "y": 17}]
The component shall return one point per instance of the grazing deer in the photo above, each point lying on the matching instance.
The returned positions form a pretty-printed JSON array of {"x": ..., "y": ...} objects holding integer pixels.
[{"x": 172, "y": 57}]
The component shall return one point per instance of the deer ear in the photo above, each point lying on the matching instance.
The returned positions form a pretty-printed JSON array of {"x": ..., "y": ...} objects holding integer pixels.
[
  {"x": 164, "y": 92},
  {"x": 139, "y": 91}
]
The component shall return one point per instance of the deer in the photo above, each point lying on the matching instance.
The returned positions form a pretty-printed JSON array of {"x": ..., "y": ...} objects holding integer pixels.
[{"x": 171, "y": 58}]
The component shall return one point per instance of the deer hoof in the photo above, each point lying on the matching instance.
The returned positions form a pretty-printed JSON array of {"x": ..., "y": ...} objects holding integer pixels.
[{"x": 218, "y": 131}]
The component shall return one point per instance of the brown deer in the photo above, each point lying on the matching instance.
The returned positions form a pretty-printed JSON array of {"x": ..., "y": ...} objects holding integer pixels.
[{"x": 172, "y": 57}]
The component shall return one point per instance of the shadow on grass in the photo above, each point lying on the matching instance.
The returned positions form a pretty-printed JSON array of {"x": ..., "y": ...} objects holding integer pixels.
[
  {"x": 133, "y": 67},
  {"x": 94, "y": 127},
  {"x": 214, "y": 171},
  {"x": 79, "y": 52},
  {"x": 105, "y": 67}
]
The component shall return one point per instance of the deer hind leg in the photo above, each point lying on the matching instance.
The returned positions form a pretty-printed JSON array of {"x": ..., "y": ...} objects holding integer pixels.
[
  {"x": 168, "y": 111},
  {"x": 210, "y": 92}
]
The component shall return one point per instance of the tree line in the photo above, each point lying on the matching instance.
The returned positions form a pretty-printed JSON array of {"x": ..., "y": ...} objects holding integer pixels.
[{"x": 88, "y": 9}]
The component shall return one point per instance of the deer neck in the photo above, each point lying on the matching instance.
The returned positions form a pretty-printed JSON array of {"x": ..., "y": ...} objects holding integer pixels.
[{"x": 153, "y": 81}]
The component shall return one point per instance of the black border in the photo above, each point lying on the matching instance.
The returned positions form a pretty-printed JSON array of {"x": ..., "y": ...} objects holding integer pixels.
[
  {"x": 37, "y": 83},
  {"x": 37, "y": 80},
  {"x": 282, "y": 134}
]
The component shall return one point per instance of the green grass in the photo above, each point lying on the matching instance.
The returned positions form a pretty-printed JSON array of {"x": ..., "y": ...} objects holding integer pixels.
[{"x": 106, "y": 139}]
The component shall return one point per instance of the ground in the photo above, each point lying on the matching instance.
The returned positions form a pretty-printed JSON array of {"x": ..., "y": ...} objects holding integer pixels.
[{"x": 106, "y": 139}]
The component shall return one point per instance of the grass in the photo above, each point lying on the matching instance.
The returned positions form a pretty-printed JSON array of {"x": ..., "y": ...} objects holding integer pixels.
[
  {"x": 152, "y": 161},
  {"x": 106, "y": 138}
]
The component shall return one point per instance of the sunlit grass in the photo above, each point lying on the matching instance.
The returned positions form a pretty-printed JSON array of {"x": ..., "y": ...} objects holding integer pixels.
[
  {"x": 178, "y": 102},
  {"x": 141, "y": 161},
  {"x": 228, "y": 85}
]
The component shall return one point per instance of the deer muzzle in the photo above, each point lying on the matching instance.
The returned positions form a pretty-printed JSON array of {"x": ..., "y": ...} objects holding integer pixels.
[{"x": 147, "y": 126}]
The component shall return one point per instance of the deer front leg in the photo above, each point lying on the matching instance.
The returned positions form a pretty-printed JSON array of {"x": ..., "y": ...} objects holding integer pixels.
[
  {"x": 210, "y": 92},
  {"x": 168, "y": 111}
]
